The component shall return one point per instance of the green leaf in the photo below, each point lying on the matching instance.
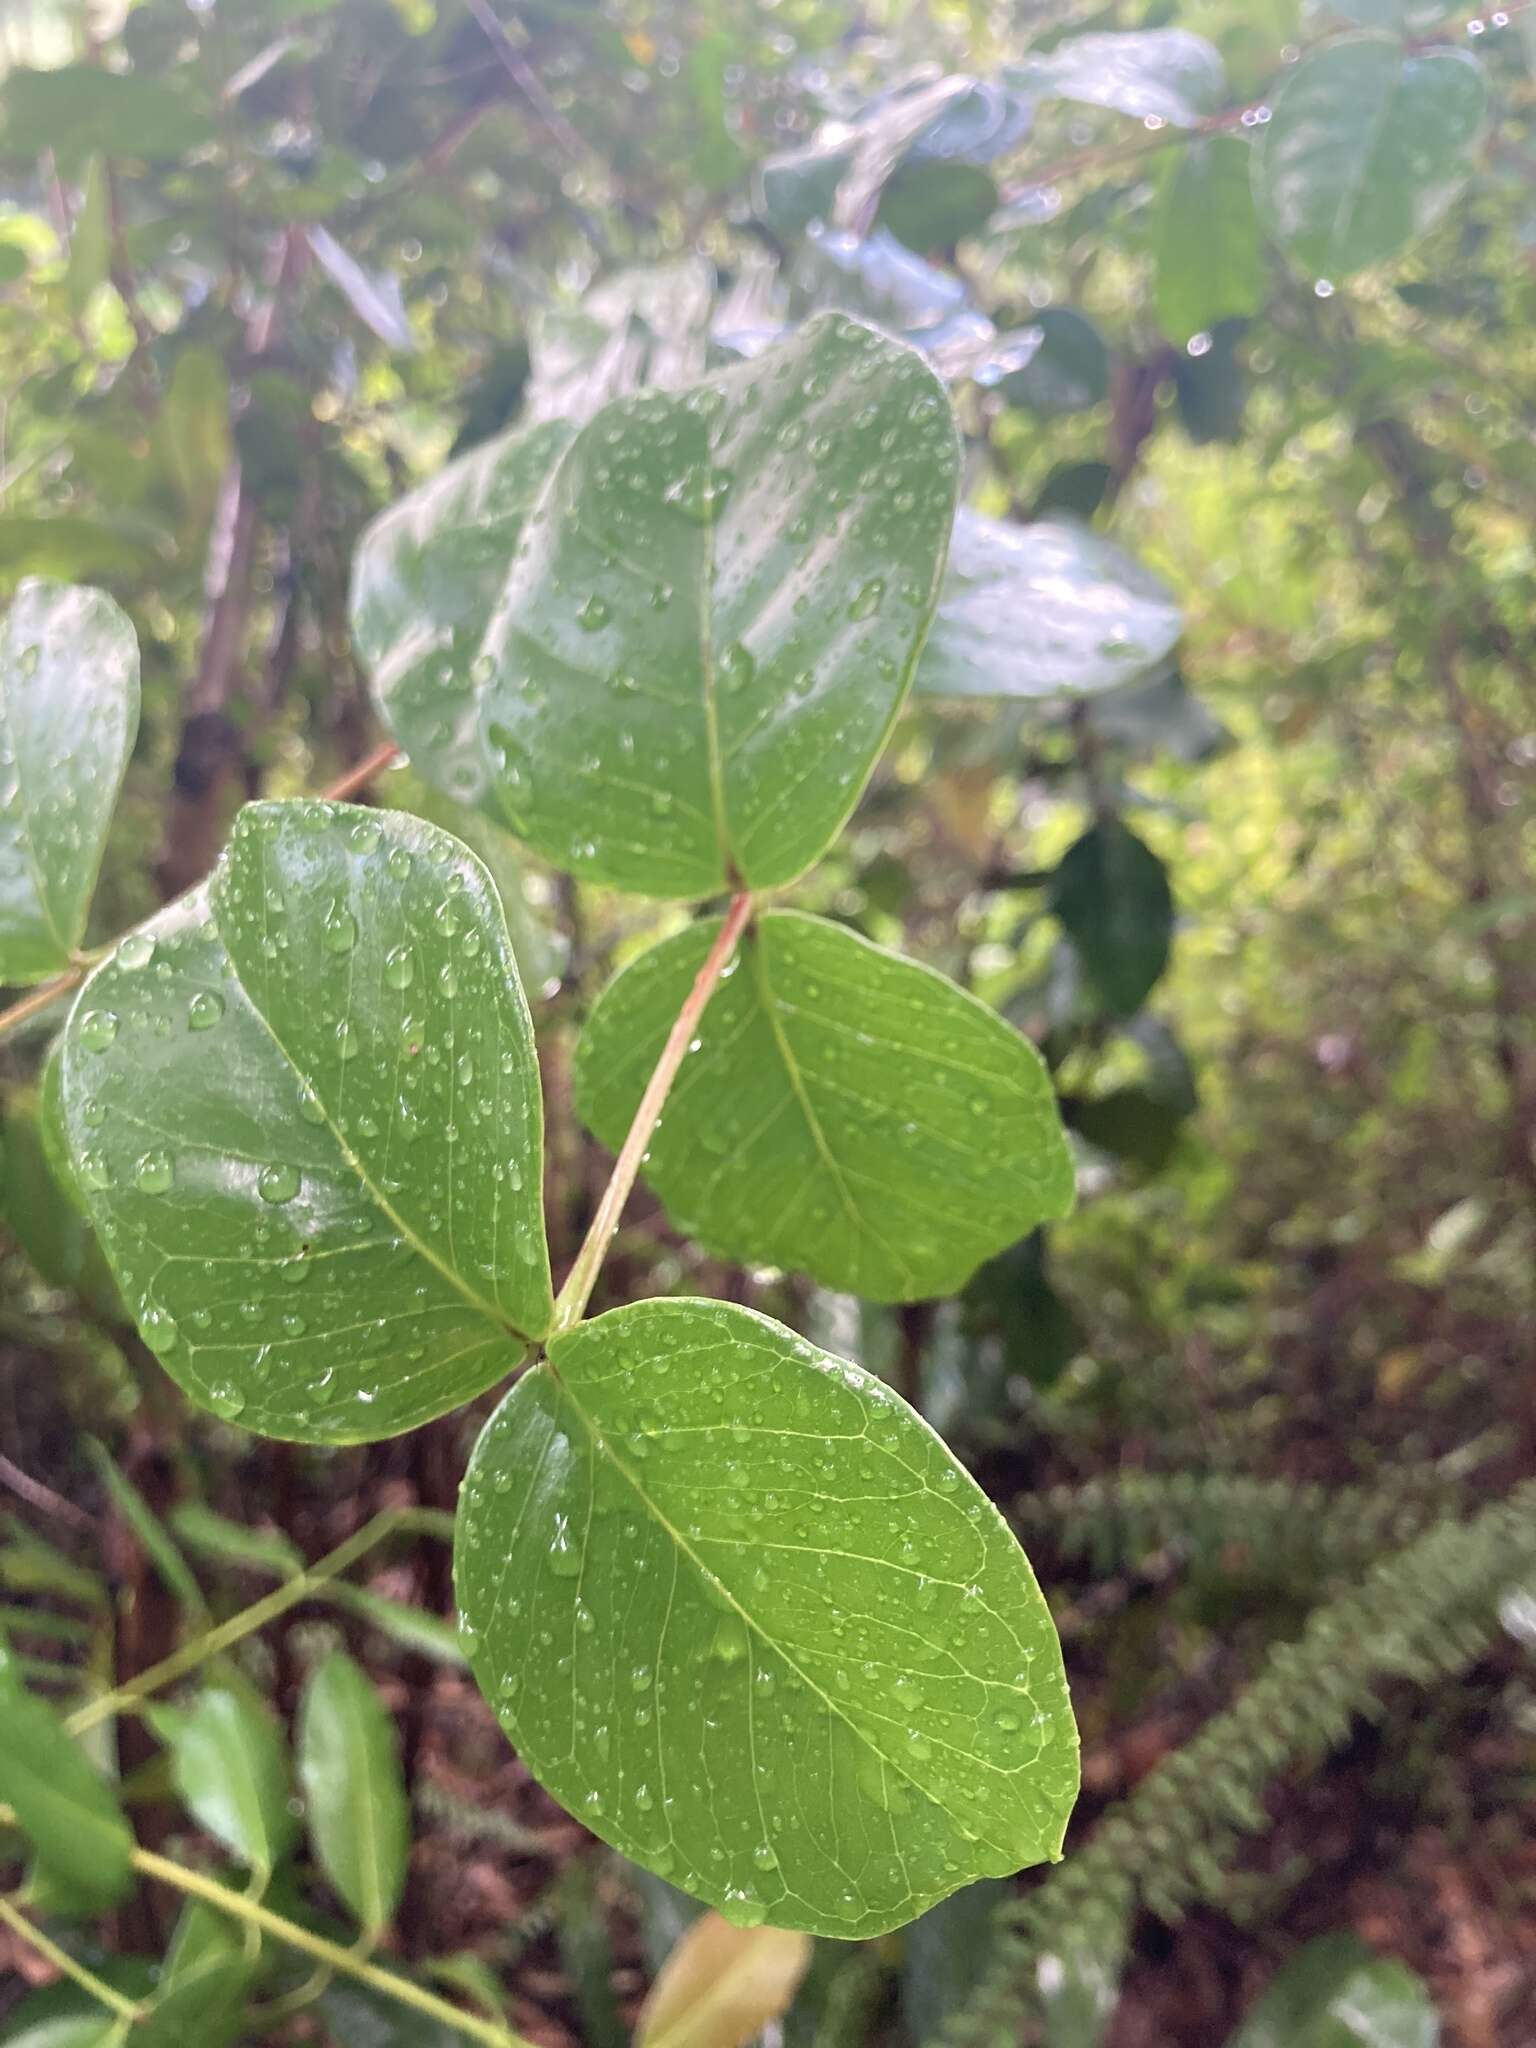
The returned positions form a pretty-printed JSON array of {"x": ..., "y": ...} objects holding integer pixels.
[
  {"x": 90, "y": 240},
  {"x": 1368, "y": 146},
  {"x": 1157, "y": 74},
  {"x": 718, "y": 604},
  {"x": 212, "y": 1536},
  {"x": 40, "y": 1208},
  {"x": 61, "y": 2015},
  {"x": 1076, "y": 488},
  {"x": 356, "y": 2016},
  {"x": 83, "y": 108},
  {"x": 69, "y": 711},
  {"x": 932, "y": 204},
  {"x": 159, "y": 1546},
  {"x": 1210, "y": 254},
  {"x": 740, "y": 1609},
  {"x": 230, "y": 1768},
  {"x": 1079, "y": 1982},
  {"x": 945, "y": 1953},
  {"x": 1069, "y": 369},
  {"x": 354, "y": 1790},
  {"x": 846, "y": 1112},
  {"x": 193, "y": 430},
  {"x": 1210, "y": 386},
  {"x": 1112, "y": 898},
  {"x": 303, "y": 1104},
  {"x": 1044, "y": 610},
  {"x": 202, "y": 1997},
  {"x": 412, "y": 1628},
  {"x": 1336, "y": 1993},
  {"x": 425, "y": 580},
  {"x": 68, "y": 1813}
]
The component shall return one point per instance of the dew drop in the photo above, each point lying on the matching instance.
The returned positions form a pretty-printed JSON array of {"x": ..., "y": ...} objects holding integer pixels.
[
  {"x": 204, "y": 1010},
  {"x": 98, "y": 1028},
  {"x": 137, "y": 950},
  {"x": 278, "y": 1183},
  {"x": 153, "y": 1173},
  {"x": 226, "y": 1399}
]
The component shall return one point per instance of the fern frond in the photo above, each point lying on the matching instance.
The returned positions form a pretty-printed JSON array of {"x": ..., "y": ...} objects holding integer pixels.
[{"x": 1421, "y": 1614}]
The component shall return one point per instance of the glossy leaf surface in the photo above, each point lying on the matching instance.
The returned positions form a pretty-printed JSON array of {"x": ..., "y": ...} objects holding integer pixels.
[
  {"x": 715, "y": 614},
  {"x": 1369, "y": 144},
  {"x": 1210, "y": 253},
  {"x": 63, "y": 1806},
  {"x": 229, "y": 1766},
  {"x": 1043, "y": 610},
  {"x": 425, "y": 580},
  {"x": 69, "y": 711},
  {"x": 1158, "y": 74},
  {"x": 722, "y": 1985},
  {"x": 846, "y": 1112},
  {"x": 304, "y": 1108},
  {"x": 1112, "y": 897},
  {"x": 354, "y": 1790},
  {"x": 740, "y": 1609}
]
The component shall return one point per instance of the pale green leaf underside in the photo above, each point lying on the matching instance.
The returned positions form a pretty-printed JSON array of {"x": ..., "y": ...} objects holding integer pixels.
[
  {"x": 69, "y": 712},
  {"x": 1368, "y": 146},
  {"x": 848, "y": 1113},
  {"x": 1044, "y": 610},
  {"x": 715, "y": 612},
  {"x": 741, "y": 1610},
  {"x": 303, "y": 1107},
  {"x": 425, "y": 579}
]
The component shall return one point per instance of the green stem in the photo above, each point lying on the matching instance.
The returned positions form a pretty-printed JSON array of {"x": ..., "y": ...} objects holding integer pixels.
[
  {"x": 63, "y": 1961},
  {"x": 582, "y": 1278},
  {"x": 346, "y": 1962},
  {"x": 213, "y": 1641}
]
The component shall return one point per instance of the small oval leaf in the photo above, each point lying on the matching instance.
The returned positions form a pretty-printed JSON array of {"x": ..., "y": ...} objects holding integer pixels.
[
  {"x": 1111, "y": 894},
  {"x": 354, "y": 1789},
  {"x": 722, "y": 1985},
  {"x": 845, "y": 1111},
  {"x": 69, "y": 713},
  {"x": 303, "y": 1106},
  {"x": 229, "y": 1766},
  {"x": 741, "y": 1609}
]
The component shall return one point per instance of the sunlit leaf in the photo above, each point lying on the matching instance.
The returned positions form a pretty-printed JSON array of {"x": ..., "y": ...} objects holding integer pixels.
[
  {"x": 354, "y": 1790},
  {"x": 845, "y": 1112},
  {"x": 722, "y": 1985},
  {"x": 69, "y": 711},
  {"x": 1369, "y": 144},
  {"x": 304, "y": 1107},
  {"x": 719, "y": 600},
  {"x": 795, "y": 1662},
  {"x": 1210, "y": 254},
  {"x": 67, "y": 1811}
]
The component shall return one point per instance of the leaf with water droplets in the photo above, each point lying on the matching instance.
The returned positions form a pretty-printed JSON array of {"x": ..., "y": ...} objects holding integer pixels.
[
  {"x": 715, "y": 613},
  {"x": 425, "y": 580},
  {"x": 1368, "y": 145},
  {"x": 323, "y": 1203},
  {"x": 69, "y": 711},
  {"x": 741, "y": 1610},
  {"x": 845, "y": 1111},
  {"x": 1050, "y": 609}
]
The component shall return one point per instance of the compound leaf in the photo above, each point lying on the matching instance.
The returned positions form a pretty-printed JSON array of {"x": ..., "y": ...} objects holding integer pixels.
[
  {"x": 845, "y": 1111},
  {"x": 69, "y": 712},
  {"x": 715, "y": 612},
  {"x": 303, "y": 1106},
  {"x": 1368, "y": 145},
  {"x": 741, "y": 1609},
  {"x": 354, "y": 1790}
]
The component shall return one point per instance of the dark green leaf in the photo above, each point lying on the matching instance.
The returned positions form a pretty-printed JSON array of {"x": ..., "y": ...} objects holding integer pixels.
[
  {"x": 1210, "y": 386},
  {"x": 67, "y": 1812},
  {"x": 304, "y": 1107},
  {"x": 1079, "y": 1981},
  {"x": 1074, "y": 487},
  {"x": 1112, "y": 897},
  {"x": 356, "y": 2016},
  {"x": 1368, "y": 146},
  {"x": 1337, "y": 1993},
  {"x": 229, "y": 1766},
  {"x": 425, "y": 580},
  {"x": 69, "y": 711},
  {"x": 1210, "y": 254},
  {"x": 1128, "y": 1123},
  {"x": 1160, "y": 716},
  {"x": 715, "y": 613},
  {"x": 354, "y": 1790},
  {"x": 1158, "y": 74},
  {"x": 586, "y": 1953},
  {"x": 41, "y": 1206},
  {"x": 1044, "y": 610},
  {"x": 159, "y": 1546},
  {"x": 796, "y": 1662},
  {"x": 945, "y": 1954},
  {"x": 90, "y": 240},
  {"x": 1011, "y": 1304},
  {"x": 929, "y": 204},
  {"x": 1068, "y": 371},
  {"x": 845, "y": 1112}
]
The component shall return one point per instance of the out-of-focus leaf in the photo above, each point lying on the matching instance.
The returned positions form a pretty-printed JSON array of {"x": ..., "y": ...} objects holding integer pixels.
[
  {"x": 1210, "y": 253},
  {"x": 90, "y": 240},
  {"x": 945, "y": 1954},
  {"x": 194, "y": 431},
  {"x": 428, "y": 1635},
  {"x": 1337, "y": 1993},
  {"x": 357, "y": 2016},
  {"x": 1111, "y": 895},
  {"x": 354, "y": 1790},
  {"x": 82, "y": 109},
  {"x": 1067, "y": 372},
  {"x": 1045, "y": 610},
  {"x": 1210, "y": 386},
  {"x": 1158, "y": 74},
  {"x": 201, "y": 1996},
  {"x": 1079, "y": 1984},
  {"x": 67, "y": 545},
  {"x": 69, "y": 711},
  {"x": 646, "y": 326},
  {"x": 159, "y": 1546},
  {"x": 1406, "y": 17},
  {"x": 586, "y": 1952},
  {"x": 1010, "y": 1305},
  {"x": 210, "y": 1535},
  {"x": 932, "y": 204},
  {"x": 1075, "y": 488},
  {"x": 67, "y": 1811},
  {"x": 1159, "y": 716},
  {"x": 1368, "y": 146},
  {"x": 230, "y": 1767},
  {"x": 1128, "y": 1123},
  {"x": 374, "y": 295},
  {"x": 41, "y": 1207},
  {"x": 722, "y": 1985}
]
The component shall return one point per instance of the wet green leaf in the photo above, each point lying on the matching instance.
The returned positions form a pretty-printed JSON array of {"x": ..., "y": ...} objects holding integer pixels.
[
  {"x": 354, "y": 1790},
  {"x": 69, "y": 711},
  {"x": 796, "y": 1662},
  {"x": 1368, "y": 146},
  {"x": 1210, "y": 253},
  {"x": 1112, "y": 897},
  {"x": 230, "y": 1768},
  {"x": 846, "y": 1112},
  {"x": 66, "y": 1810},
  {"x": 1337, "y": 1993},
  {"x": 1044, "y": 610},
  {"x": 720, "y": 598},
  {"x": 304, "y": 1107}
]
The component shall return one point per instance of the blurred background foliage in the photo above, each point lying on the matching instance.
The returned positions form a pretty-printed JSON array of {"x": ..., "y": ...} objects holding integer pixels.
[{"x": 265, "y": 266}]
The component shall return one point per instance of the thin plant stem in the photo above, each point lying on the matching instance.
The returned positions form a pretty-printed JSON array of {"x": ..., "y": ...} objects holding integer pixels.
[
  {"x": 346, "y": 1962},
  {"x": 215, "y": 1640},
  {"x": 64, "y": 1962},
  {"x": 577, "y": 1291}
]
